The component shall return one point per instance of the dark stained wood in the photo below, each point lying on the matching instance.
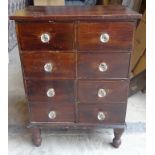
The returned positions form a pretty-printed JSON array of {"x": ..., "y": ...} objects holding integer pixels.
[
  {"x": 117, "y": 91},
  {"x": 40, "y": 112},
  {"x": 75, "y": 51},
  {"x": 64, "y": 91},
  {"x": 113, "y": 113},
  {"x": 61, "y": 35},
  {"x": 110, "y": 12},
  {"x": 33, "y": 65},
  {"x": 120, "y": 33},
  {"x": 117, "y": 137},
  {"x": 71, "y": 125},
  {"x": 88, "y": 65}
]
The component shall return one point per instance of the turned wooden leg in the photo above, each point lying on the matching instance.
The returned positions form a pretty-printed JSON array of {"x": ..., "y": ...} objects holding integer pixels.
[
  {"x": 36, "y": 136},
  {"x": 117, "y": 137}
]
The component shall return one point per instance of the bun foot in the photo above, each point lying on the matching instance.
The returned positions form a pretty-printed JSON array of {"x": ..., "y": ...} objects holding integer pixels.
[
  {"x": 117, "y": 137},
  {"x": 36, "y": 136},
  {"x": 37, "y": 141},
  {"x": 116, "y": 143}
]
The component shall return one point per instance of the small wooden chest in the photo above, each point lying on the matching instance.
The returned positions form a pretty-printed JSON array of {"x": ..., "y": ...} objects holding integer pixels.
[{"x": 76, "y": 65}]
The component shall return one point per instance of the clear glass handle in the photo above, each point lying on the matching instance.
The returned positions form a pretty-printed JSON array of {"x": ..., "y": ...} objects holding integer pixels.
[
  {"x": 101, "y": 116},
  {"x": 104, "y": 38},
  {"x": 48, "y": 67},
  {"x": 52, "y": 115},
  {"x": 102, "y": 93},
  {"x": 103, "y": 67},
  {"x": 51, "y": 92},
  {"x": 45, "y": 38}
]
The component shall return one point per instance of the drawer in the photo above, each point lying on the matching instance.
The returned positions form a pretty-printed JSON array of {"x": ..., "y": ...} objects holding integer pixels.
[
  {"x": 113, "y": 36},
  {"x": 54, "y": 91},
  {"x": 102, "y": 91},
  {"x": 107, "y": 113},
  {"x": 46, "y": 36},
  {"x": 106, "y": 65},
  {"x": 48, "y": 65},
  {"x": 45, "y": 112}
]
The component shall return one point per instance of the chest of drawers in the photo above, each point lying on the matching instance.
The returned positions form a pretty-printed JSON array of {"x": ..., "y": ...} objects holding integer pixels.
[{"x": 76, "y": 64}]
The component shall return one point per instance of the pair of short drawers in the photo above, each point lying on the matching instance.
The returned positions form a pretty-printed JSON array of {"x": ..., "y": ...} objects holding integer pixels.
[{"x": 74, "y": 72}]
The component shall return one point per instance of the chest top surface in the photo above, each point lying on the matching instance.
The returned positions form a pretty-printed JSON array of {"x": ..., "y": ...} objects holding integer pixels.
[{"x": 110, "y": 12}]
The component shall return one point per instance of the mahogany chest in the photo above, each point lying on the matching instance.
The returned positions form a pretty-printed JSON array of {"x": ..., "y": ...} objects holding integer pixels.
[{"x": 76, "y": 65}]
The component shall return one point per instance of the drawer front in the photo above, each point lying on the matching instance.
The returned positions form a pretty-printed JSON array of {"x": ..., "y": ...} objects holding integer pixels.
[
  {"x": 54, "y": 91},
  {"x": 100, "y": 66},
  {"x": 106, "y": 113},
  {"x": 46, "y": 36},
  {"x": 45, "y": 112},
  {"x": 105, "y": 36},
  {"x": 48, "y": 65},
  {"x": 102, "y": 91}
]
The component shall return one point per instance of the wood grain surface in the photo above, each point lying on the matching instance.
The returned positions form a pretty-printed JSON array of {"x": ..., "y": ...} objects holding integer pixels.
[
  {"x": 63, "y": 65},
  {"x": 64, "y": 91},
  {"x": 117, "y": 91},
  {"x": 114, "y": 114},
  {"x": 120, "y": 36},
  {"x": 65, "y": 13},
  {"x": 61, "y": 35},
  {"x": 117, "y": 63},
  {"x": 40, "y": 112}
]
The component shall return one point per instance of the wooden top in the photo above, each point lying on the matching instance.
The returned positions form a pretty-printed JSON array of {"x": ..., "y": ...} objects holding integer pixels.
[{"x": 100, "y": 12}]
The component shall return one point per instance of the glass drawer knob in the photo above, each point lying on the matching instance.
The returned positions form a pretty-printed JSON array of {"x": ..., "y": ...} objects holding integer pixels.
[
  {"x": 103, "y": 67},
  {"x": 101, "y": 116},
  {"x": 45, "y": 38},
  {"x": 104, "y": 38},
  {"x": 48, "y": 67},
  {"x": 51, "y": 92},
  {"x": 52, "y": 115},
  {"x": 102, "y": 93}
]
